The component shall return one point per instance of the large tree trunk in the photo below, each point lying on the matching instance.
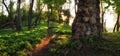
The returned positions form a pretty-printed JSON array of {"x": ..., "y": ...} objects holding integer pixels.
[
  {"x": 19, "y": 25},
  {"x": 87, "y": 20},
  {"x": 30, "y": 15}
]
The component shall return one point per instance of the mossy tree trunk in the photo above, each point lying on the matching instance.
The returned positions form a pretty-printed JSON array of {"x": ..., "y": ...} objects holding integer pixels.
[{"x": 87, "y": 20}]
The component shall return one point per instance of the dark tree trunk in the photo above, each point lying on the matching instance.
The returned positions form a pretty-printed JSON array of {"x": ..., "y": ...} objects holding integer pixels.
[
  {"x": 103, "y": 10},
  {"x": 49, "y": 24},
  {"x": 117, "y": 25},
  {"x": 9, "y": 14},
  {"x": 87, "y": 20},
  {"x": 30, "y": 15},
  {"x": 19, "y": 25},
  {"x": 3, "y": 1},
  {"x": 2, "y": 14},
  {"x": 2, "y": 10},
  {"x": 38, "y": 18},
  {"x": 59, "y": 15}
]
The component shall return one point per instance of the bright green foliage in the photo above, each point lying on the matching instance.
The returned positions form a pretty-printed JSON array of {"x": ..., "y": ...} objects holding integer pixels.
[
  {"x": 54, "y": 3},
  {"x": 14, "y": 43},
  {"x": 63, "y": 29},
  {"x": 39, "y": 3},
  {"x": 54, "y": 7},
  {"x": 114, "y": 3},
  {"x": 12, "y": 10}
]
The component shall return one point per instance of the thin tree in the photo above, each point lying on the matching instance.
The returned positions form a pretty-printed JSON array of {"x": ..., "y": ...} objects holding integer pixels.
[
  {"x": 103, "y": 10},
  {"x": 117, "y": 25},
  {"x": 30, "y": 14},
  {"x": 3, "y": 1},
  {"x": 48, "y": 21},
  {"x": 19, "y": 25},
  {"x": 10, "y": 21},
  {"x": 39, "y": 9}
]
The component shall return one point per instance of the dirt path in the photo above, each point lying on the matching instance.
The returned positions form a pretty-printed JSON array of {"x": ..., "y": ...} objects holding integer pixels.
[
  {"x": 42, "y": 48},
  {"x": 45, "y": 45}
]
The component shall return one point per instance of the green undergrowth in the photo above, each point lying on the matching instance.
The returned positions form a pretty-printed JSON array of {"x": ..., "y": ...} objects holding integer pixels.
[
  {"x": 91, "y": 46},
  {"x": 113, "y": 37},
  {"x": 62, "y": 29},
  {"x": 14, "y": 43}
]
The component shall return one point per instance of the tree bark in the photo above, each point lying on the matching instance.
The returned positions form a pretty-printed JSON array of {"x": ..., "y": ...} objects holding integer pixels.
[
  {"x": 87, "y": 20},
  {"x": 30, "y": 15},
  {"x": 48, "y": 21},
  {"x": 9, "y": 14},
  {"x": 19, "y": 25},
  {"x": 116, "y": 27},
  {"x": 59, "y": 15}
]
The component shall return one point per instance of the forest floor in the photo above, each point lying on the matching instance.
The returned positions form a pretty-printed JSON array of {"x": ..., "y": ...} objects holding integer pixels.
[
  {"x": 51, "y": 46},
  {"x": 48, "y": 43},
  {"x": 35, "y": 42}
]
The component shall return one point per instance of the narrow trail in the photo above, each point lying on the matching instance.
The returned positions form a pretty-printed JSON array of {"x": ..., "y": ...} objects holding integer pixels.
[{"x": 42, "y": 48}]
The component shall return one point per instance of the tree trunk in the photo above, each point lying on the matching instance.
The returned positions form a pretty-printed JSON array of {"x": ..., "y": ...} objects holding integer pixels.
[
  {"x": 9, "y": 14},
  {"x": 38, "y": 16},
  {"x": 3, "y": 1},
  {"x": 37, "y": 20},
  {"x": 103, "y": 10},
  {"x": 87, "y": 20},
  {"x": 59, "y": 15},
  {"x": 30, "y": 15},
  {"x": 19, "y": 25},
  {"x": 2, "y": 10},
  {"x": 116, "y": 27},
  {"x": 49, "y": 24}
]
